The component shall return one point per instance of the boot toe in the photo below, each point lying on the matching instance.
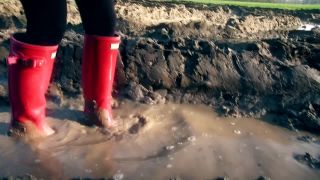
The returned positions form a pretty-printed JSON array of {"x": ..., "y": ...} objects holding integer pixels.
[{"x": 29, "y": 130}]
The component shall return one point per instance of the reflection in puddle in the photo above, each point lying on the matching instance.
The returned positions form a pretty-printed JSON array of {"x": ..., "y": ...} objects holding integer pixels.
[{"x": 185, "y": 141}]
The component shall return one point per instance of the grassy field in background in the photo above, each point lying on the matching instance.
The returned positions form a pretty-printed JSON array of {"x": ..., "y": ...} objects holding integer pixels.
[{"x": 256, "y": 4}]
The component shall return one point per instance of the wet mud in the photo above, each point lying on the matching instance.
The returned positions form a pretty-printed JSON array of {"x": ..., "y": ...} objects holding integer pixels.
[
  {"x": 246, "y": 62},
  {"x": 185, "y": 142},
  {"x": 241, "y": 66}
]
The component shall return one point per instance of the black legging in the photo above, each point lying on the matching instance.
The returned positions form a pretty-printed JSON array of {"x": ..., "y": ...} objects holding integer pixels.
[{"x": 46, "y": 19}]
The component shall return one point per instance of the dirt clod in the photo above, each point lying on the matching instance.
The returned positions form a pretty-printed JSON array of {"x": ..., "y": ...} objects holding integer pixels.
[
  {"x": 308, "y": 160},
  {"x": 263, "y": 178},
  {"x": 134, "y": 129}
]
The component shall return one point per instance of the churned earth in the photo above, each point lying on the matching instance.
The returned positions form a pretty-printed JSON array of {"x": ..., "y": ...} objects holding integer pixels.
[{"x": 202, "y": 92}]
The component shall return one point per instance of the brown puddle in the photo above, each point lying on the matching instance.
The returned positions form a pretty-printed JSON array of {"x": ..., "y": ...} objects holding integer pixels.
[{"x": 161, "y": 142}]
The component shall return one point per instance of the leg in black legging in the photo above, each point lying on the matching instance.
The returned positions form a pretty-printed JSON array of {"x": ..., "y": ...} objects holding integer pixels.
[
  {"x": 46, "y": 21},
  {"x": 98, "y": 16}
]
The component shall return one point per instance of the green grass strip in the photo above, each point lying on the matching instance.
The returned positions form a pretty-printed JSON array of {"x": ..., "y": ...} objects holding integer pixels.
[{"x": 256, "y": 4}]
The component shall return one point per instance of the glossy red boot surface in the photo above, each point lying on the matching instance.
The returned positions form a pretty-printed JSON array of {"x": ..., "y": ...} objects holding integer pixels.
[
  {"x": 29, "y": 72},
  {"x": 98, "y": 69}
]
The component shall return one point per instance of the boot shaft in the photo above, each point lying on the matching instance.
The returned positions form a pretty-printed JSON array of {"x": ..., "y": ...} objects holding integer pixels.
[
  {"x": 29, "y": 71},
  {"x": 98, "y": 68}
]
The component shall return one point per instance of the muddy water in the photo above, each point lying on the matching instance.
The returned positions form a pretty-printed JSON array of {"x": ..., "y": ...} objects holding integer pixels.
[{"x": 160, "y": 142}]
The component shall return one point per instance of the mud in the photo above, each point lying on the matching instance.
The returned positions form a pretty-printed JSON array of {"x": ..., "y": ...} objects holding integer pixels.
[
  {"x": 308, "y": 160},
  {"x": 186, "y": 142},
  {"x": 246, "y": 62},
  {"x": 241, "y": 63}
]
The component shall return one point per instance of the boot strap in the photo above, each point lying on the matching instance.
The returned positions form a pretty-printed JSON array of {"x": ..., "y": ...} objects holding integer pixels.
[{"x": 33, "y": 63}]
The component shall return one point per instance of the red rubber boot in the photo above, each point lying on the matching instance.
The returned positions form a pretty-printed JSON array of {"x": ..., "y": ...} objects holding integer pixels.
[
  {"x": 98, "y": 69},
  {"x": 29, "y": 70}
]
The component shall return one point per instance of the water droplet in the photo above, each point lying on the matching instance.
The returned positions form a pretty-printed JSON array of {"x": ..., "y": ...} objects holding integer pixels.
[
  {"x": 192, "y": 139},
  {"x": 169, "y": 148},
  {"x": 118, "y": 176},
  {"x": 88, "y": 171}
]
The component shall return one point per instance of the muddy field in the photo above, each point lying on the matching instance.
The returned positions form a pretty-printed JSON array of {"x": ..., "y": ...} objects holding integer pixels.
[
  {"x": 239, "y": 62},
  {"x": 245, "y": 62}
]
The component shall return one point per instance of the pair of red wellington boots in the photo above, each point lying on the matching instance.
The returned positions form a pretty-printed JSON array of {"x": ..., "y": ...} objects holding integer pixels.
[{"x": 29, "y": 73}]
